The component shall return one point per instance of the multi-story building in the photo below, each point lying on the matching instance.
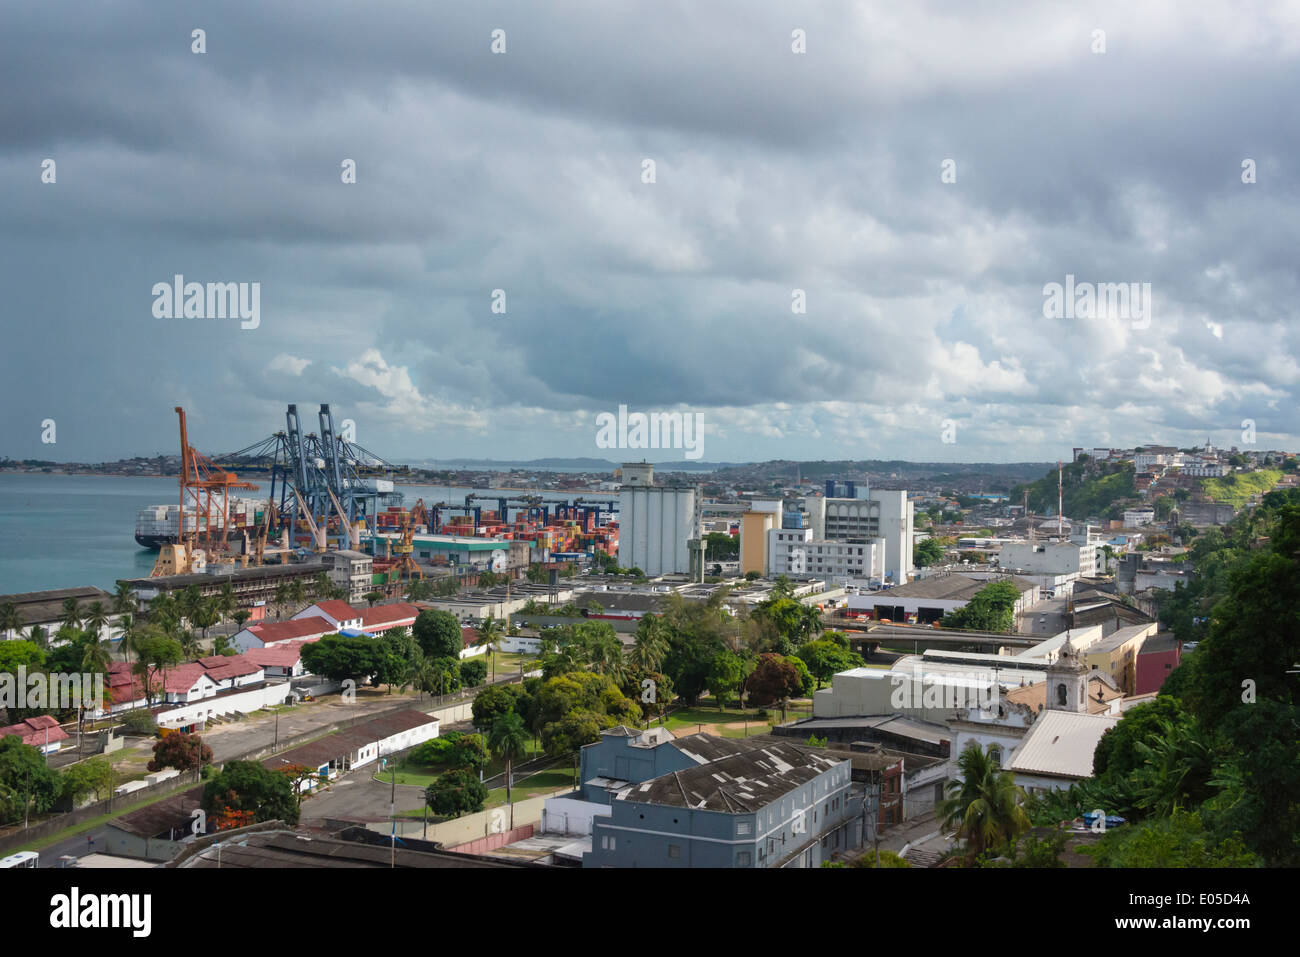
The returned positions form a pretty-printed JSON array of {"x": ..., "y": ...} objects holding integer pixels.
[
  {"x": 880, "y": 513},
  {"x": 793, "y": 551},
  {"x": 780, "y": 805},
  {"x": 1050, "y": 558},
  {"x": 762, "y": 516},
  {"x": 351, "y": 571}
]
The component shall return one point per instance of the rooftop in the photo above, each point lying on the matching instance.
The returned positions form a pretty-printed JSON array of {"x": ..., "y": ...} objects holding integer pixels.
[
  {"x": 1061, "y": 744},
  {"x": 740, "y": 783}
]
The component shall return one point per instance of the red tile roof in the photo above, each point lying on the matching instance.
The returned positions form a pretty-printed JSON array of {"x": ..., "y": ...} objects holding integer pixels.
[
  {"x": 389, "y": 615},
  {"x": 226, "y": 667},
  {"x": 298, "y": 628},
  {"x": 283, "y": 655},
  {"x": 468, "y": 636},
  {"x": 338, "y": 610},
  {"x": 36, "y": 731},
  {"x": 182, "y": 678}
]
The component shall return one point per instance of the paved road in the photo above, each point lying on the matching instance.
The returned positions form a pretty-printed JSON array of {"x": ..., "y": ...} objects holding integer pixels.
[{"x": 1047, "y": 618}]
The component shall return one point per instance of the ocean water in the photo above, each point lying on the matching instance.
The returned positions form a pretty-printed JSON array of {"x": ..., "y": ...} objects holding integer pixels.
[{"x": 62, "y": 531}]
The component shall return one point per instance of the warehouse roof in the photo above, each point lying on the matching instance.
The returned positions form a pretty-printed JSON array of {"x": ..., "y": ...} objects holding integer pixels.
[
  {"x": 170, "y": 814},
  {"x": 740, "y": 783},
  {"x": 42, "y": 607},
  {"x": 952, "y": 587}
]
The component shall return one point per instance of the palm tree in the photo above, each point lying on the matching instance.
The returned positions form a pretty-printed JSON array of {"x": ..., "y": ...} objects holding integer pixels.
[
  {"x": 39, "y": 636},
  {"x": 71, "y": 613},
  {"x": 489, "y": 633},
  {"x": 97, "y": 656},
  {"x": 508, "y": 740},
  {"x": 10, "y": 620},
  {"x": 281, "y": 598},
  {"x": 96, "y": 618},
  {"x": 124, "y": 599},
  {"x": 984, "y": 806},
  {"x": 1176, "y": 770},
  {"x": 162, "y": 611},
  {"x": 298, "y": 591},
  {"x": 811, "y": 625},
  {"x": 650, "y": 645},
  {"x": 205, "y": 616},
  {"x": 226, "y": 601}
]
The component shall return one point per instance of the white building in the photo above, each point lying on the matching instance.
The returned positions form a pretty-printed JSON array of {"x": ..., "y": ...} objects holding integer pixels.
[
  {"x": 1137, "y": 517},
  {"x": 1050, "y": 558},
  {"x": 883, "y": 513},
  {"x": 351, "y": 571},
  {"x": 654, "y": 523},
  {"x": 794, "y": 551}
]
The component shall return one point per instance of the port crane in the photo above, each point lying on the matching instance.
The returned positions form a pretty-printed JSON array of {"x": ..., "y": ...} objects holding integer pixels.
[
  {"x": 338, "y": 482},
  {"x": 204, "y": 492}
]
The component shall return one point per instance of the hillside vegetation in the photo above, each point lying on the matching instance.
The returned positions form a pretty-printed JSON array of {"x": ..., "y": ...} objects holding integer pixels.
[
  {"x": 1084, "y": 493},
  {"x": 1237, "y": 488}
]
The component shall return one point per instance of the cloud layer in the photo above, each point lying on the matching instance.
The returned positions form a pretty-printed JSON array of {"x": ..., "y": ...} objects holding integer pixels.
[{"x": 774, "y": 172}]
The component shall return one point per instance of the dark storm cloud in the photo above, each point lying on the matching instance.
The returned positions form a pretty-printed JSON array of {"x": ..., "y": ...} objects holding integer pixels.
[{"x": 775, "y": 172}]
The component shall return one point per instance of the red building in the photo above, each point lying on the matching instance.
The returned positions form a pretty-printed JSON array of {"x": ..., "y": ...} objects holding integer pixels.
[{"x": 1159, "y": 655}]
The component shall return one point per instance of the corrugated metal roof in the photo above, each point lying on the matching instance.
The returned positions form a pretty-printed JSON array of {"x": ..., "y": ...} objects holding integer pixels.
[{"x": 1061, "y": 743}]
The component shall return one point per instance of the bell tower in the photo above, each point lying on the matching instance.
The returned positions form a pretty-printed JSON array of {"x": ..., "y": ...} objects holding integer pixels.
[{"x": 1067, "y": 681}]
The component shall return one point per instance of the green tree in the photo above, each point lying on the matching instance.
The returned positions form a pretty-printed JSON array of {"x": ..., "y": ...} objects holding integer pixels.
[
  {"x": 827, "y": 658},
  {"x": 727, "y": 675},
  {"x": 438, "y": 634},
  {"x": 491, "y": 703},
  {"x": 992, "y": 608},
  {"x": 86, "y": 778},
  {"x": 251, "y": 787},
  {"x": 27, "y": 785},
  {"x": 508, "y": 740},
  {"x": 456, "y": 793},
  {"x": 473, "y": 672},
  {"x": 983, "y": 807},
  {"x": 1179, "y": 840},
  {"x": 930, "y": 551}
]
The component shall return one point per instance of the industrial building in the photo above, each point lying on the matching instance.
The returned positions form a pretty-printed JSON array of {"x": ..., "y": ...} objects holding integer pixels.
[{"x": 656, "y": 523}]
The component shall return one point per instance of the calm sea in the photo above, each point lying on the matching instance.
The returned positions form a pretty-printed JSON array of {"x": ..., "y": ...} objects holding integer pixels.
[{"x": 61, "y": 531}]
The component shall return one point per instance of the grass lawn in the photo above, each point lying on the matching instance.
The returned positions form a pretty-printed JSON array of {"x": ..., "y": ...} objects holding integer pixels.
[
  {"x": 509, "y": 664},
  {"x": 543, "y": 782},
  {"x": 688, "y": 719}
]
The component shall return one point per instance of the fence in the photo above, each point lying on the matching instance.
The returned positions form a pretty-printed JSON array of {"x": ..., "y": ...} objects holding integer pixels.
[{"x": 482, "y": 845}]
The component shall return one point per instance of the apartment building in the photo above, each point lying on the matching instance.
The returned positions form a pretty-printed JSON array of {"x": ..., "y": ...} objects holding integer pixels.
[
  {"x": 876, "y": 514},
  {"x": 794, "y": 551}
]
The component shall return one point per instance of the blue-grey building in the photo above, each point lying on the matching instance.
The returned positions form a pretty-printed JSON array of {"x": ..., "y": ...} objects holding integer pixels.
[
  {"x": 626, "y": 756},
  {"x": 773, "y": 805}
]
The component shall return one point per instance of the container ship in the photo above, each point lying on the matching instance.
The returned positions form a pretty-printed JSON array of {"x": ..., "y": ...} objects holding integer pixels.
[{"x": 159, "y": 525}]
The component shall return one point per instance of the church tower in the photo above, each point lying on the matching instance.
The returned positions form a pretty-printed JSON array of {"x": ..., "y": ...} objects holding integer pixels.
[{"x": 1067, "y": 681}]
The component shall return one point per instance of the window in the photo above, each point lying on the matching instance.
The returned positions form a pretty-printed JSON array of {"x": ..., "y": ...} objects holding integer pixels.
[
  {"x": 674, "y": 851},
  {"x": 743, "y": 859},
  {"x": 742, "y": 828},
  {"x": 1060, "y": 694},
  {"x": 607, "y": 843}
]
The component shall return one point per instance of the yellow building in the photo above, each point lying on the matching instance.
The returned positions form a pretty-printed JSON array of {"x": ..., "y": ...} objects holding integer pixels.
[
  {"x": 762, "y": 517},
  {"x": 1116, "y": 654}
]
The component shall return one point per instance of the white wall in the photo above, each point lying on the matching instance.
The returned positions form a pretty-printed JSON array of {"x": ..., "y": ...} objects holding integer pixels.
[
  {"x": 570, "y": 816},
  {"x": 654, "y": 526}
]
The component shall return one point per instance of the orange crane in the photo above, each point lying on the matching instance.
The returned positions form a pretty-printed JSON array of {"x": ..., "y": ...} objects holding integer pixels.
[
  {"x": 205, "y": 492},
  {"x": 406, "y": 564}
]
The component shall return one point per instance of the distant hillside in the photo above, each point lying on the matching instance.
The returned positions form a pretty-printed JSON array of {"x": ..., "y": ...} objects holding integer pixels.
[
  {"x": 1237, "y": 488},
  {"x": 1084, "y": 492}
]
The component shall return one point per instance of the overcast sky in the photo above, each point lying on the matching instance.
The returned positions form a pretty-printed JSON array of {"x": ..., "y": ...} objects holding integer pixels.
[{"x": 774, "y": 171}]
